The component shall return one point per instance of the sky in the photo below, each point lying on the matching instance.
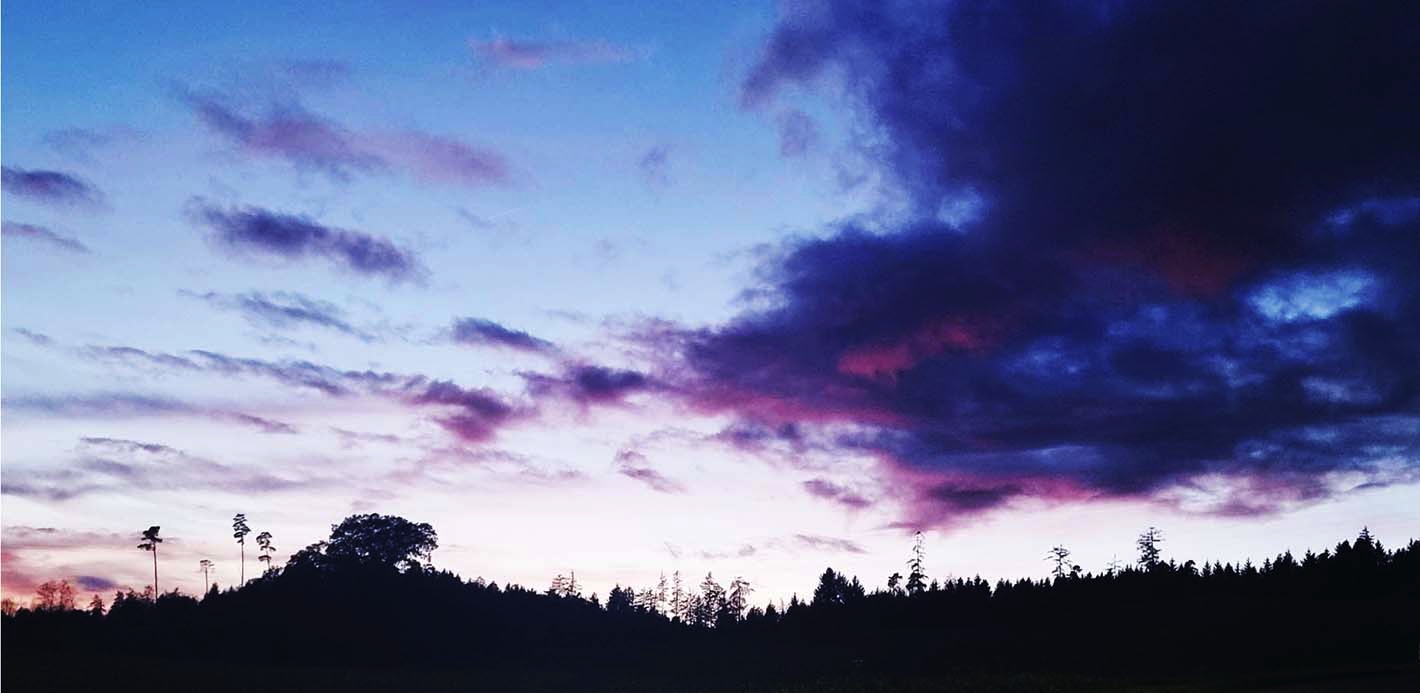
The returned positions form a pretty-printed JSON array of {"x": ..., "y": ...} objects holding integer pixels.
[{"x": 747, "y": 288}]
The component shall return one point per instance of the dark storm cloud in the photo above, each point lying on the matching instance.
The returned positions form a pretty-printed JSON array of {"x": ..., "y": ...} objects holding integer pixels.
[
  {"x": 50, "y": 187},
  {"x": 480, "y": 332},
  {"x": 1157, "y": 250},
  {"x": 43, "y": 235},
  {"x": 294, "y": 237}
]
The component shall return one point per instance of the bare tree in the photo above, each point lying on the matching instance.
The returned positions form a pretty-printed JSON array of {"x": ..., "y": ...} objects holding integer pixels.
[
  {"x": 240, "y": 530},
  {"x": 150, "y": 542}
]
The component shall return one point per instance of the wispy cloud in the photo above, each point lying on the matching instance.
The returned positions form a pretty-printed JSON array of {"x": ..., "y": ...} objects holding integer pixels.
[
  {"x": 42, "y": 234},
  {"x": 128, "y": 404},
  {"x": 634, "y": 465},
  {"x": 531, "y": 54},
  {"x": 480, "y": 332},
  {"x": 51, "y": 187},
  {"x": 110, "y": 465},
  {"x": 252, "y": 230},
  {"x": 313, "y": 142},
  {"x": 285, "y": 309}
]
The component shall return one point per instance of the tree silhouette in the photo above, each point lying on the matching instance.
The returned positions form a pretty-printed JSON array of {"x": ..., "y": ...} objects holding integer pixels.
[
  {"x": 372, "y": 540},
  {"x": 1063, "y": 566},
  {"x": 240, "y": 530},
  {"x": 55, "y": 595},
  {"x": 96, "y": 605},
  {"x": 740, "y": 591},
  {"x": 917, "y": 576},
  {"x": 1148, "y": 543},
  {"x": 205, "y": 566},
  {"x": 677, "y": 597},
  {"x": 263, "y": 540},
  {"x": 150, "y": 541}
]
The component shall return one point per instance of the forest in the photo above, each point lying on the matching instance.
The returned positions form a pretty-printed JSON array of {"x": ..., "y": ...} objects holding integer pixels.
[{"x": 366, "y": 609}]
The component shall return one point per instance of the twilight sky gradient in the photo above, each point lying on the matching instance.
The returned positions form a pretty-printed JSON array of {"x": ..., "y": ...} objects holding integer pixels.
[{"x": 745, "y": 288}]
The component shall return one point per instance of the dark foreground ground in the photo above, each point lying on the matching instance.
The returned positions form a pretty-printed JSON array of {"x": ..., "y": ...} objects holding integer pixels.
[{"x": 61, "y": 673}]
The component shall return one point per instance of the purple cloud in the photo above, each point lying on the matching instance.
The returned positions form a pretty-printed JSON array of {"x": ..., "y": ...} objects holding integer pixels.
[
  {"x": 529, "y": 55},
  {"x": 95, "y": 583},
  {"x": 634, "y": 465},
  {"x": 590, "y": 384},
  {"x": 480, "y": 332},
  {"x": 294, "y": 237},
  {"x": 440, "y": 159},
  {"x": 313, "y": 142},
  {"x": 50, "y": 187},
  {"x": 823, "y": 488},
  {"x": 43, "y": 235},
  {"x": 478, "y": 414}
]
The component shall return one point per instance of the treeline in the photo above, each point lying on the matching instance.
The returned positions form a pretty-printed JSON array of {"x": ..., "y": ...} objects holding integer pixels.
[{"x": 363, "y": 598}]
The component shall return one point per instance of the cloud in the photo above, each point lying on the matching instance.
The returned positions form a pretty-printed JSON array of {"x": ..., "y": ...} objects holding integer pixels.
[
  {"x": 821, "y": 543},
  {"x": 43, "y": 235},
  {"x": 440, "y": 159},
  {"x": 529, "y": 55},
  {"x": 252, "y": 230},
  {"x": 127, "y": 405},
  {"x": 285, "y": 309},
  {"x": 823, "y": 488},
  {"x": 95, "y": 583},
  {"x": 634, "y": 465},
  {"x": 480, "y": 332},
  {"x": 115, "y": 465},
  {"x": 590, "y": 384},
  {"x": 470, "y": 414},
  {"x": 797, "y": 133},
  {"x": 655, "y": 166},
  {"x": 312, "y": 142},
  {"x": 477, "y": 413},
  {"x": 1118, "y": 264},
  {"x": 51, "y": 187}
]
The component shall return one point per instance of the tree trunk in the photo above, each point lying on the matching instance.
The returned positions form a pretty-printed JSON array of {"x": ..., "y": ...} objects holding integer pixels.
[
  {"x": 155, "y": 574},
  {"x": 244, "y": 564}
]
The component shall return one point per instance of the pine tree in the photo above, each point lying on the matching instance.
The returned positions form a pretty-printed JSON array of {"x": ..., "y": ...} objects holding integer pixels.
[
  {"x": 917, "y": 576},
  {"x": 149, "y": 542},
  {"x": 240, "y": 530},
  {"x": 1148, "y": 544}
]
